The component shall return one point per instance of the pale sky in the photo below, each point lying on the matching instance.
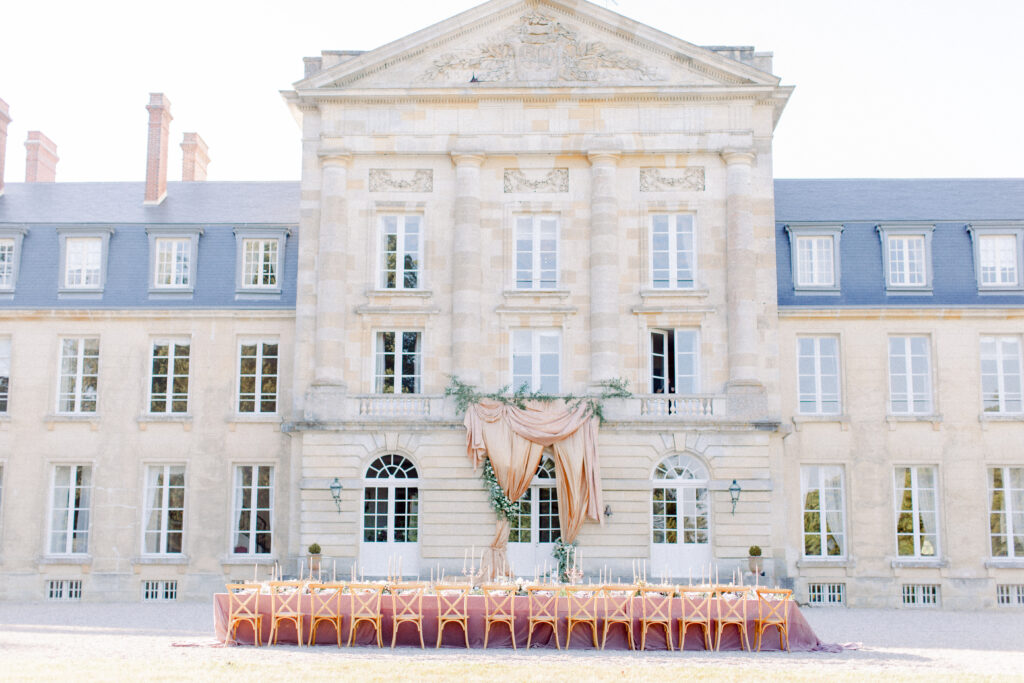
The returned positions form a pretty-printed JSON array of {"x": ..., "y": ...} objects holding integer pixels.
[{"x": 884, "y": 88}]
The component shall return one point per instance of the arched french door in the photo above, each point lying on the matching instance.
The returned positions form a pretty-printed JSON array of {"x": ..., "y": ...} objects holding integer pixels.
[
  {"x": 680, "y": 518},
  {"x": 532, "y": 533},
  {"x": 391, "y": 513}
]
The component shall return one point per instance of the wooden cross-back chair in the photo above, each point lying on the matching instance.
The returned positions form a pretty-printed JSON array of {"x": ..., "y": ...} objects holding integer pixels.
[
  {"x": 582, "y": 610},
  {"x": 407, "y": 608},
  {"x": 543, "y": 601},
  {"x": 286, "y": 607},
  {"x": 698, "y": 602},
  {"x": 773, "y": 610},
  {"x": 453, "y": 608},
  {"x": 731, "y": 608},
  {"x": 656, "y": 605},
  {"x": 366, "y": 598},
  {"x": 618, "y": 609},
  {"x": 325, "y": 607},
  {"x": 499, "y": 608},
  {"x": 244, "y": 608}
]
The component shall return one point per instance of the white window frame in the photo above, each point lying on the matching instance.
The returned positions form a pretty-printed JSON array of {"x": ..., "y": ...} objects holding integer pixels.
[
  {"x": 258, "y": 396},
  {"x": 819, "y": 472},
  {"x": 1013, "y": 515},
  {"x": 64, "y": 233},
  {"x": 905, "y": 381},
  {"x": 530, "y": 522},
  {"x": 891, "y": 233},
  {"x": 979, "y": 233},
  {"x": 916, "y": 511},
  {"x": 77, "y": 395},
  {"x": 678, "y": 334},
  {"x": 399, "y": 355},
  {"x": 1008, "y": 396},
  {"x": 536, "y": 377},
  {"x": 68, "y": 530},
  {"x": 673, "y": 251},
  {"x": 172, "y": 344},
  {"x": 402, "y": 237},
  {"x": 814, "y": 403},
  {"x": 5, "y": 375},
  {"x": 804, "y": 233},
  {"x": 263, "y": 234},
  {"x": 536, "y": 281},
  {"x": 161, "y": 235},
  {"x": 163, "y": 508},
  {"x": 10, "y": 268},
  {"x": 252, "y": 493},
  {"x": 160, "y": 590}
]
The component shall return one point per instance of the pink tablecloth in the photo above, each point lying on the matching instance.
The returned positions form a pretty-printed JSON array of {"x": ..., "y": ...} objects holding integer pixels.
[{"x": 801, "y": 637}]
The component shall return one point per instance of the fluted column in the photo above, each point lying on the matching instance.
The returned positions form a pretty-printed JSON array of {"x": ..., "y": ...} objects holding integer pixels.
[
  {"x": 330, "y": 290},
  {"x": 741, "y": 293},
  {"x": 605, "y": 363},
  {"x": 467, "y": 273}
]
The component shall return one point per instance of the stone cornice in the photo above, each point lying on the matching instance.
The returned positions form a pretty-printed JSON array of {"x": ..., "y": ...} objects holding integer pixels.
[{"x": 915, "y": 312}]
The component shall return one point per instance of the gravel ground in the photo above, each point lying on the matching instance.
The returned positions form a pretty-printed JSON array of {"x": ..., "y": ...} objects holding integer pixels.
[{"x": 153, "y": 641}]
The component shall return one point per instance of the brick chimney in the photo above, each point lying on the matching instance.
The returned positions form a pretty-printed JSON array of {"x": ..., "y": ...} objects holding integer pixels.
[
  {"x": 5, "y": 118},
  {"x": 40, "y": 158},
  {"x": 194, "y": 157},
  {"x": 159, "y": 108}
]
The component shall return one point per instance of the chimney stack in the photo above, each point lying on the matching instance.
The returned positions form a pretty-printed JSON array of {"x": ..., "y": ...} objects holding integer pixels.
[
  {"x": 159, "y": 108},
  {"x": 194, "y": 158},
  {"x": 40, "y": 158},
  {"x": 5, "y": 118}
]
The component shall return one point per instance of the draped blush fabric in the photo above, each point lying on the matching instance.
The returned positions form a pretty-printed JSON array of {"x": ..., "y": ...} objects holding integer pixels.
[{"x": 514, "y": 439}]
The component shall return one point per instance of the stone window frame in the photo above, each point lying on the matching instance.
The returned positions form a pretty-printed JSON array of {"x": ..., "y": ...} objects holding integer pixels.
[
  {"x": 798, "y": 231},
  {"x": 251, "y": 232},
  {"x": 923, "y": 230},
  {"x": 77, "y": 232},
  {"x": 162, "y": 530},
  {"x": 17, "y": 235},
  {"x": 673, "y": 253},
  {"x": 81, "y": 339},
  {"x": 235, "y": 509},
  {"x": 512, "y": 210},
  {"x": 1001, "y": 377},
  {"x": 536, "y": 280},
  {"x": 420, "y": 357},
  {"x": 932, "y": 379},
  {"x": 535, "y": 333},
  {"x": 6, "y": 395},
  {"x": 844, "y": 555},
  {"x": 649, "y": 208},
  {"x": 841, "y": 385},
  {"x": 387, "y": 207},
  {"x": 51, "y": 502},
  {"x": 978, "y": 231},
  {"x": 937, "y": 510},
  {"x": 157, "y": 233},
  {"x": 1008, "y": 510},
  {"x": 675, "y": 330},
  {"x": 170, "y": 340},
  {"x": 259, "y": 341}
]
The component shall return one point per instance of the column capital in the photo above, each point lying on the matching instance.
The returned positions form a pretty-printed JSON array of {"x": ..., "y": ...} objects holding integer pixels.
[
  {"x": 738, "y": 155},
  {"x": 462, "y": 158},
  {"x": 333, "y": 156},
  {"x": 599, "y": 157}
]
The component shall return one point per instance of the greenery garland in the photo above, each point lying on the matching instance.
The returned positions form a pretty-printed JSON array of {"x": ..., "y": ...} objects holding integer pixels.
[
  {"x": 502, "y": 505},
  {"x": 562, "y": 552},
  {"x": 466, "y": 395}
]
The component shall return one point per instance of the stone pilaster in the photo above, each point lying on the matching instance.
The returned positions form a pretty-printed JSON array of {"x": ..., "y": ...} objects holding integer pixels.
[
  {"x": 467, "y": 273},
  {"x": 605, "y": 363},
  {"x": 741, "y": 295}
]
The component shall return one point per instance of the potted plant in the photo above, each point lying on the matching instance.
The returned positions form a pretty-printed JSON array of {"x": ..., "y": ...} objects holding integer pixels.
[
  {"x": 755, "y": 562},
  {"x": 314, "y": 558}
]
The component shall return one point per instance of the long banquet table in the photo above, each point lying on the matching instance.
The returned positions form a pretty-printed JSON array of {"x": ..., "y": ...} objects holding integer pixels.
[{"x": 801, "y": 636}]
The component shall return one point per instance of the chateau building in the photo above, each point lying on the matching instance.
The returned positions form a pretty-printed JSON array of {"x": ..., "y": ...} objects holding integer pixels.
[{"x": 199, "y": 379}]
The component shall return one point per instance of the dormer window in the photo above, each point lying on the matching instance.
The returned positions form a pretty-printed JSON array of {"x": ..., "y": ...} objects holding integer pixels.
[
  {"x": 260, "y": 265},
  {"x": 907, "y": 258},
  {"x": 83, "y": 260},
  {"x": 10, "y": 257},
  {"x": 814, "y": 255},
  {"x": 998, "y": 257},
  {"x": 173, "y": 255}
]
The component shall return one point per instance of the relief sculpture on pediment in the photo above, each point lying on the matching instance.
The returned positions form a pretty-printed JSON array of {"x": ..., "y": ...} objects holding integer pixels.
[{"x": 539, "y": 49}]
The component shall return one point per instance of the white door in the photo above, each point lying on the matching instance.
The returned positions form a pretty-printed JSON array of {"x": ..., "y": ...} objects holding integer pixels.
[
  {"x": 680, "y": 519},
  {"x": 391, "y": 502},
  {"x": 533, "y": 532}
]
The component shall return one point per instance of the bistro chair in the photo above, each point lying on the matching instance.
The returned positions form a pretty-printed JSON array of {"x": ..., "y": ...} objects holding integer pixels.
[
  {"x": 499, "y": 608},
  {"x": 286, "y": 606},
  {"x": 582, "y": 610},
  {"x": 407, "y": 608},
  {"x": 656, "y": 604},
  {"x": 453, "y": 608},
  {"x": 772, "y": 610},
  {"x": 731, "y": 608},
  {"x": 697, "y": 611},
  {"x": 244, "y": 608},
  {"x": 543, "y": 601},
  {"x": 366, "y": 599},
  {"x": 325, "y": 607},
  {"x": 618, "y": 609}
]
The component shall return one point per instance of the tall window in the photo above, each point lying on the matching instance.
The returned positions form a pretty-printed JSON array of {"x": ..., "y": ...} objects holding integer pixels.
[
  {"x": 824, "y": 532},
  {"x": 165, "y": 509},
  {"x": 259, "y": 262},
  {"x": 257, "y": 377},
  {"x": 391, "y": 501},
  {"x": 168, "y": 386},
  {"x": 69, "y": 515},
  {"x": 79, "y": 375},
  {"x": 537, "y": 521},
  {"x": 675, "y": 362},
  {"x": 173, "y": 262},
  {"x": 1001, "y": 375},
  {"x": 907, "y": 264},
  {"x": 818, "y": 375},
  {"x": 6, "y": 263},
  {"x": 673, "y": 255},
  {"x": 536, "y": 360},
  {"x": 998, "y": 257},
  {"x": 1006, "y": 511},
  {"x": 400, "y": 251},
  {"x": 814, "y": 265},
  {"x": 397, "y": 368},
  {"x": 536, "y": 252},
  {"x": 5, "y": 373},
  {"x": 254, "y": 509},
  {"x": 680, "y": 502},
  {"x": 83, "y": 260},
  {"x": 910, "y": 376},
  {"x": 917, "y": 524}
]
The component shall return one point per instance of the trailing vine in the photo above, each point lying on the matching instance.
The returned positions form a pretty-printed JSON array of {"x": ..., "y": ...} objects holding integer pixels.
[
  {"x": 502, "y": 505},
  {"x": 466, "y": 395},
  {"x": 563, "y": 552}
]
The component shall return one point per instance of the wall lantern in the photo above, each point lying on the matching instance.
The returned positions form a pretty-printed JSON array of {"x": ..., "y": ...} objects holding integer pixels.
[
  {"x": 734, "y": 494},
  {"x": 336, "y": 493},
  {"x": 608, "y": 511}
]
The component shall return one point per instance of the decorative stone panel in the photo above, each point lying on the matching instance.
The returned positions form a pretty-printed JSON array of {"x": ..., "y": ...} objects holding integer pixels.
[
  {"x": 519, "y": 180},
  {"x": 401, "y": 180},
  {"x": 669, "y": 179}
]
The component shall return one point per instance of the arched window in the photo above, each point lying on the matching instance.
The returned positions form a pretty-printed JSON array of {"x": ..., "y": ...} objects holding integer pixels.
[
  {"x": 533, "y": 532},
  {"x": 391, "y": 501},
  {"x": 679, "y": 500}
]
